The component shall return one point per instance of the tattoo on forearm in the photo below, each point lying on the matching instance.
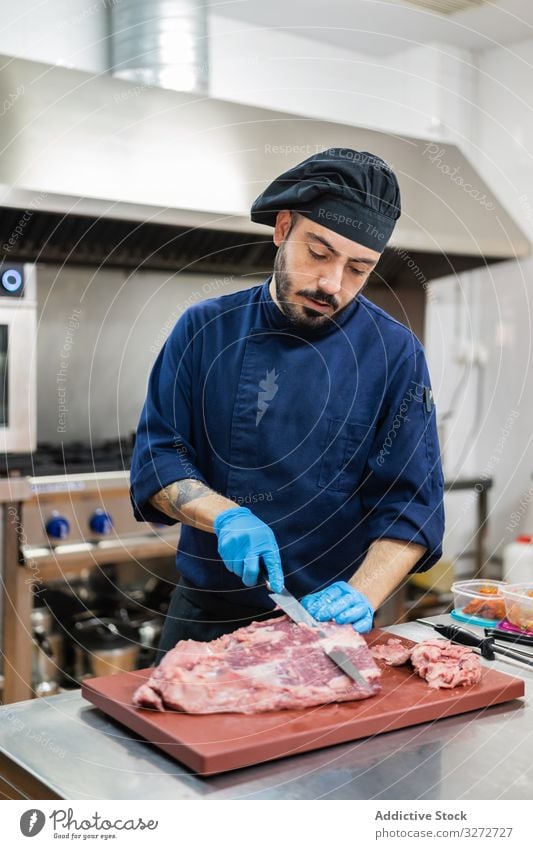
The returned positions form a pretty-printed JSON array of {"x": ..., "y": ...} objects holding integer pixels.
[{"x": 176, "y": 495}]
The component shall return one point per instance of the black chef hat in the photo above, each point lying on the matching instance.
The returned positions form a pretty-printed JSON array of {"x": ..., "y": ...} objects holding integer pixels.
[{"x": 352, "y": 192}]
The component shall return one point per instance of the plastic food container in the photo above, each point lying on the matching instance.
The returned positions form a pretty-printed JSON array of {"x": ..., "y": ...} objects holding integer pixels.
[
  {"x": 519, "y": 604},
  {"x": 477, "y": 599}
]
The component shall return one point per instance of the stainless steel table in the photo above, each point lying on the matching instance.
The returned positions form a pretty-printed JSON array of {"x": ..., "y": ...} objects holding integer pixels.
[{"x": 62, "y": 747}]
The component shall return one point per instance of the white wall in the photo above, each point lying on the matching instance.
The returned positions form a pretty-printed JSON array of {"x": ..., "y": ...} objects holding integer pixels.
[
  {"x": 65, "y": 32},
  {"x": 99, "y": 333},
  {"x": 496, "y": 313}
]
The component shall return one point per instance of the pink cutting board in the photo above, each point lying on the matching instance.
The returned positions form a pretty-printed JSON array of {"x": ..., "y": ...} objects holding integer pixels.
[{"x": 213, "y": 743}]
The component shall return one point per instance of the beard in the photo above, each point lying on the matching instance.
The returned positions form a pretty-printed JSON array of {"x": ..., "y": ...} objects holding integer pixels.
[{"x": 300, "y": 315}]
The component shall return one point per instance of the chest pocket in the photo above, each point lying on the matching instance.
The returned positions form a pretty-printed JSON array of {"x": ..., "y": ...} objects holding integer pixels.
[{"x": 344, "y": 454}]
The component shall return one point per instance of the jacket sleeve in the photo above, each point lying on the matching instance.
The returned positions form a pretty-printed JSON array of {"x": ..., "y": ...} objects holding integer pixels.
[
  {"x": 402, "y": 494},
  {"x": 164, "y": 450}
]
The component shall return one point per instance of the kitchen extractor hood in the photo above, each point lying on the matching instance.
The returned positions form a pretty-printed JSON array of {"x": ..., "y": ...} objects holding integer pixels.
[{"x": 98, "y": 170}]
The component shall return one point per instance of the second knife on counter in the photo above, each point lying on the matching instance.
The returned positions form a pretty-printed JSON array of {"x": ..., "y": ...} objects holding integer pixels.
[{"x": 486, "y": 645}]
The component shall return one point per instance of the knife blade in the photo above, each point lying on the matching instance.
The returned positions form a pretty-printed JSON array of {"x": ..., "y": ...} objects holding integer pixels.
[
  {"x": 297, "y": 612},
  {"x": 292, "y": 607}
]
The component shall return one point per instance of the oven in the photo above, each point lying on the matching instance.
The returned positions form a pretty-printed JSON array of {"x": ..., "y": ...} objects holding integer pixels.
[{"x": 18, "y": 317}]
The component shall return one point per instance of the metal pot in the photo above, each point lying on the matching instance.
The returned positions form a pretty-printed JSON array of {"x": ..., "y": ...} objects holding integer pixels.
[
  {"x": 48, "y": 654},
  {"x": 47, "y": 664},
  {"x": 104, "y": 647},
  {"x": 148, "y": 624}
]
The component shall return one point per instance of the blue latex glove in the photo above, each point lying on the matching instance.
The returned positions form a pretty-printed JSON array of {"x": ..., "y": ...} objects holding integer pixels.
[
  {"x": 242, "y": 539},
  {"x": 342, "y": 603}
]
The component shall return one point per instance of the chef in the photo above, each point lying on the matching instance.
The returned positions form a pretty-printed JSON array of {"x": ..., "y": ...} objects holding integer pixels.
[{"x": 290, "y": 427}]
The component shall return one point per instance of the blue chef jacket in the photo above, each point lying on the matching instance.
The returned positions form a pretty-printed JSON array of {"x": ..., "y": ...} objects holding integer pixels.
[{"x": 330, "y": 438}]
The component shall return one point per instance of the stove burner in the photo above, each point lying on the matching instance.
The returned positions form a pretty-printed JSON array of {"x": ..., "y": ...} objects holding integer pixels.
[{"x": 112, "y": 455}]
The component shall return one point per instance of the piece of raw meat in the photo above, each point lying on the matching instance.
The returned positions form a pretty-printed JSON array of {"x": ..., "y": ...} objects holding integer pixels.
[
  {"x": 445, "y": 664},
  {"x": 393, "y": 652},
  {"x": 269, "y": 665}
]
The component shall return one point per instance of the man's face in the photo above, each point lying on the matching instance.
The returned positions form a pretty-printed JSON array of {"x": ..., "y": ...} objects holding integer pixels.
[{"x": 317, "y": 272}]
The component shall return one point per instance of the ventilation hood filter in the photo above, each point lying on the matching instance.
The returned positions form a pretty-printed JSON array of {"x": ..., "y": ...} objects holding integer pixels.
[{"x": 444, "y": 7}]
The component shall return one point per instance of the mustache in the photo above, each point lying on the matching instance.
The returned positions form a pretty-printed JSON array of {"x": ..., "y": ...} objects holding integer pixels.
[{"x": 321, "y": 297}]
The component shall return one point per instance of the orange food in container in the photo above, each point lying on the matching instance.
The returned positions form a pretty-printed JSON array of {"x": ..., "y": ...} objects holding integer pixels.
[
  {"x": 479, "y": 598},
  {"x": 519, "y": 605}
]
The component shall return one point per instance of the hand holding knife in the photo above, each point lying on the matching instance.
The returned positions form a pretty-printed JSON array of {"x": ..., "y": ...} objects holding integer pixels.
[{"x": 297, "y": 612}]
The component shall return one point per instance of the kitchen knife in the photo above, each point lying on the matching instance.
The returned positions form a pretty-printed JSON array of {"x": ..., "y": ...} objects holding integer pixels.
[
  {"x": 297, "y": 612},
  {"x": 485, "y": 645},
  {"x": 509, "y": 637}
]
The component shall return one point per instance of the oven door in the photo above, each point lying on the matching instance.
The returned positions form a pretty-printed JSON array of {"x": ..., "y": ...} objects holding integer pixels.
[{"x": 17, "y": 377}]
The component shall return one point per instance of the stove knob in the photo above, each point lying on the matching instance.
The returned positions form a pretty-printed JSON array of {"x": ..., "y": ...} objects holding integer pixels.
[
  {"x": 58, "y": 527},
  {"x": 101, "y": 522}
]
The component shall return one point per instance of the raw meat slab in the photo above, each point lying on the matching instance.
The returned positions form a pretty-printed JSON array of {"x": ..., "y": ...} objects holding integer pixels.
[
  {"x": 214, "y": 743},
  {"x": 270, "y": 665}
]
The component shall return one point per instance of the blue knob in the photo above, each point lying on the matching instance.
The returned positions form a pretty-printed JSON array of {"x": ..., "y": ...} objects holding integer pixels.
[
  {"x": 101, "y": 522},
  {"x": 58, "y": 527}
]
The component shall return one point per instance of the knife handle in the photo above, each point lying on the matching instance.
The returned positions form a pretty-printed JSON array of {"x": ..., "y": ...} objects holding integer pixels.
[
  {"x": 459, "y": 635},
  {"x": 262, "y": 575},
  {"x": 509, "y": 636}
]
